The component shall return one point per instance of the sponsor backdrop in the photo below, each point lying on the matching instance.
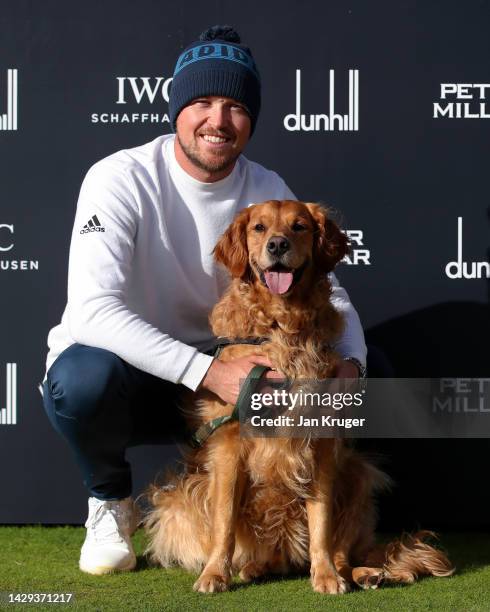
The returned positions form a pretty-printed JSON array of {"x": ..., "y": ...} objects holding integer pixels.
[{"x": 379, "y": 109}]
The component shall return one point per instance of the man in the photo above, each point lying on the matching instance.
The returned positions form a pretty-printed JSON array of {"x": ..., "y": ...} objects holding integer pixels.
[{"x": 142, "y": 282}]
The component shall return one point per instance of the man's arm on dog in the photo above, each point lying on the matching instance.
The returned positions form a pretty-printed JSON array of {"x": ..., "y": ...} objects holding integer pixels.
[{"x": 224, "y": 378}]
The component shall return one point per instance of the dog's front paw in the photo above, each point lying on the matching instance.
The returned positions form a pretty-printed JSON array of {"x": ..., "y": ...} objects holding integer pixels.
[
  {"x": 368, "y": 577},
  {"x": 209, "y": 582},
  {"x": 326, "y": 580}
]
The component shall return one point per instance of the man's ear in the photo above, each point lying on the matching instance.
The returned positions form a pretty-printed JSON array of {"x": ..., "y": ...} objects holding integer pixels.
[
  {"x": 330, "y": 244},
  {"x": 231, "y": 249}
]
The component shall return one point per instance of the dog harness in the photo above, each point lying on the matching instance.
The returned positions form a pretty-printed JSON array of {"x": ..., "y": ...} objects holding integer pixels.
[{"x": 248, "y": 387}]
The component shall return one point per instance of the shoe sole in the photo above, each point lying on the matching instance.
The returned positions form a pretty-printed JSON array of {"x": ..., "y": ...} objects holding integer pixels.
[{"x": 100, "y": 570}]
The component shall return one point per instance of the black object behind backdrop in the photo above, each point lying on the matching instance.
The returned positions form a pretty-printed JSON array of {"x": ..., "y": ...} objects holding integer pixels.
[{"x": 87, "y": 81}]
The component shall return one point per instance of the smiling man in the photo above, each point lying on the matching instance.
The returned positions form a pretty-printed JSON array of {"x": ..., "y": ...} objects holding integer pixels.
[
  {"x": 142, "y": 281},
  {"x": 211, "y": 134}
]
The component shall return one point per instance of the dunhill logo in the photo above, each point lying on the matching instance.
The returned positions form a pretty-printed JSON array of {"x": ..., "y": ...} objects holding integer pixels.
[
  {"x": 8, "y": 415},
  {"x": 464, "y": 269},
  {"x": 8, "y": 121},
  {"x": 333, "y": 121}
]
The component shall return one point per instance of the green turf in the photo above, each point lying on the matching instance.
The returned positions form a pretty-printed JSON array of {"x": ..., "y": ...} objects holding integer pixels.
[{"x": 44, "y": 559}]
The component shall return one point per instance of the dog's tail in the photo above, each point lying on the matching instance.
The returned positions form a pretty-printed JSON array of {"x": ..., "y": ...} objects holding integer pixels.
[
  {"x": 410, "y": 557},
  {"x": 178, "y": 523}
]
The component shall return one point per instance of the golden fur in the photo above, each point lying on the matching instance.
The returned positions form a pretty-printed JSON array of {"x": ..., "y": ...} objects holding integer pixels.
[{"x": 267, "y": 505}]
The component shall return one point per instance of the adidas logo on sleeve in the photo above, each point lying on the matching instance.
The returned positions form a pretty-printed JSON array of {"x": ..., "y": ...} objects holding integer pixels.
[{"x": 93, "y": 225}]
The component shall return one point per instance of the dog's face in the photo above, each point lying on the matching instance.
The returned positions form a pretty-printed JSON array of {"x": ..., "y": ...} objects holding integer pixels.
[{"x": 282, "y": 245}]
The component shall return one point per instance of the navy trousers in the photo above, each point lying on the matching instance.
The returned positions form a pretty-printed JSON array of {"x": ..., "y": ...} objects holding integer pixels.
[{"x": 102, "y": 405}]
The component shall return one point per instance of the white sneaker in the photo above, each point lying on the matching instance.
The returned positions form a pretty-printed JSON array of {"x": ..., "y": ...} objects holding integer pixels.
[{"x": 107, "y": 547}]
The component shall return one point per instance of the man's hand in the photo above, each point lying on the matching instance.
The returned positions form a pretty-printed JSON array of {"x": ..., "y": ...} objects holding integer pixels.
[
  {"x": 348, "y": 370},
  {"x": 224, "y": 378}
]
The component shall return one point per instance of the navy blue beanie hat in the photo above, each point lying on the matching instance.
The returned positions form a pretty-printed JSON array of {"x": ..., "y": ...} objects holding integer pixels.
[{"x": 216, "y": 65}]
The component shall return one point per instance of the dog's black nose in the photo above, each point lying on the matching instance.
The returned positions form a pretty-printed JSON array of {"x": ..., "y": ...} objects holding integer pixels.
[{"x": 278, "y": 245}]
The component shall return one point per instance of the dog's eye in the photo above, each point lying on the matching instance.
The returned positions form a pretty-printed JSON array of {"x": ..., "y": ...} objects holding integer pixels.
[
  {"x": 259, "y": 228},
  {"x": 298, "y": 227}
]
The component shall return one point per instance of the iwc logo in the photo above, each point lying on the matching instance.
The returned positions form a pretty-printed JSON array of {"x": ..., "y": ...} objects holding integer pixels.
[
  {"x": 144, "y": 91},
  {"x": 7, "y": 244}
]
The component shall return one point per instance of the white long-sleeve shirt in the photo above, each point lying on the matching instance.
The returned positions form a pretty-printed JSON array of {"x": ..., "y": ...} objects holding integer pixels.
[{"x": 142, "y": 279}]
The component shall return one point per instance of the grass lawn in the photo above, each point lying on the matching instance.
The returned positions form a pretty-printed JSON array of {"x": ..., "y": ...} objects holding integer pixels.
[{"x": 45, "y": 559}]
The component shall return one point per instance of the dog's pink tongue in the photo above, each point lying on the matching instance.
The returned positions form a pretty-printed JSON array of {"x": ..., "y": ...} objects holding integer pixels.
[{"x": 278, "y": 282}]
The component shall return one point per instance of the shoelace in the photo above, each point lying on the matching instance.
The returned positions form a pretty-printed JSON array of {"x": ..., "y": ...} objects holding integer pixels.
[{"x": 107, "y": 522}]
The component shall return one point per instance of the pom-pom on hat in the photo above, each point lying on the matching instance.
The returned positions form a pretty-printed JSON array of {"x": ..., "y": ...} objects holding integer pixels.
[{"x": 216, "y": 65}]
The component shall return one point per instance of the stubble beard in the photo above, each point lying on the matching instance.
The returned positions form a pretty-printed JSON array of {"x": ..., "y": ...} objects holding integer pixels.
[{"x": 218, "y": 164}]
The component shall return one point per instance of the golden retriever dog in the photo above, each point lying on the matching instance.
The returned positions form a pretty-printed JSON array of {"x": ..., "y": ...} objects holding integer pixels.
[{"x": 255, "y": 506}]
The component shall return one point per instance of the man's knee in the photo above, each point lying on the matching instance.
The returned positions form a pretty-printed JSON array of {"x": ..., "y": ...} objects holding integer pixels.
[{"x": 84, "y": 380}]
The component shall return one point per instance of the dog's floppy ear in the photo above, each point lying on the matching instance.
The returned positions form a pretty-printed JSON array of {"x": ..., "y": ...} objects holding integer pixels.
[
  {"x": 331, "y": 245},
  {"x": 231, "y": 249}
]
